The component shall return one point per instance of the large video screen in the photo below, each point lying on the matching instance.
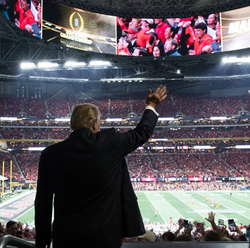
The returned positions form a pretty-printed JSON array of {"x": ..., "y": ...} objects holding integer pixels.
[
  {"x": 79, "y": 29},
  {"x": 129, "y": 36},
  {"x": 236, "y": 29}
]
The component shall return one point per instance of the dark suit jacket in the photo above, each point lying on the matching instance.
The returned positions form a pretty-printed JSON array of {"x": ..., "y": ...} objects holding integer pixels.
[{"x": 84, "y": 173}]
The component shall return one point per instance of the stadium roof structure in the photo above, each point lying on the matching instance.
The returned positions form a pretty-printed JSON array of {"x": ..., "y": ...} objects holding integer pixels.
[
  {"x": 156, "y": 8},
  {"x": 17, "y": 45}
]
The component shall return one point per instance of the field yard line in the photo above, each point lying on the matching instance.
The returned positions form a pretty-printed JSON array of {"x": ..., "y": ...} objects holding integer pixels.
[
  {"x": 153, "y": 204},
  {"x": 243, "y": 199},
  {"x": 180, "y": 199},
  {"x": 26, "y": 212},
  {"x": 166, "y": 204},
  {"x": 16, "y": 198},
  {"x": 237, "y": 206},
  {"x": 218, "y": 215},
  {"x": 181, "y": 216}
]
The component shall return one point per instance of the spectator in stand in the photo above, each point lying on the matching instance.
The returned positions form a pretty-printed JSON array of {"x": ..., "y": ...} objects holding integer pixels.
[
  {"x": 139, "y": 51},
  {"x": 202, "y": 39},
  {"x": 154, "y": 40},
  {"x": 3, "y": 8},
  {"x": 212, "y": 236},
  {"x": 211, "y": 21},
  {"x": 215, "y": 46},
  {"x": 158, "y": 51},
  {"x": 170, "y": 48},
  {"x": 90, "y": 153},
  {"x": 135, "y": 24},
  {"x": 25, "y": 15},
  {"x": 147, "y": 237},
  {"x": 132, "y": 44},
  {"x": 35, "y": 28},
  {"x": 160, "y": 29},
  {"x": 122, "y": 47},
  {"x": 185, "y": 37},
  {"x": 169, "y": 33},
  {"x": 143, "y": 36},
  {"x": 168, "y": 236},
  {"x": 11, "y": 228}
]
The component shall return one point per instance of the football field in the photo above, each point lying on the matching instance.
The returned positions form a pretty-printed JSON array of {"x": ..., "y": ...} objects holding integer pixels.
[{"x": 193, "y": 206}]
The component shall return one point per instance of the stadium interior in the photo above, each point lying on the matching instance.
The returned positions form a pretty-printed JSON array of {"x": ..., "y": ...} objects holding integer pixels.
[{"x": 203, "y": 130}]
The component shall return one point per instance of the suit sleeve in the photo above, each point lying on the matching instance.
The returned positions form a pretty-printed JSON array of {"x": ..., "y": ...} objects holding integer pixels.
[
  {"x": 131, "y": 140},
  {"x": 43, "y": 203}
]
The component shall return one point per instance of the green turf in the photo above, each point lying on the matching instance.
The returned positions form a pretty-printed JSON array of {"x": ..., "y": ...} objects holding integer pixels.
[
  {"x": 188, "y": 205},
  {"x": 194, "y": 206}
]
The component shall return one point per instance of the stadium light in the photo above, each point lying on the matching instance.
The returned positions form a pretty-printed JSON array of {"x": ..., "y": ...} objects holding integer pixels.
[
  {"x": 74, "y": 64},
  {"x": 99, "y": 63},
  {"x": 47, "y": 65},
  {"x": 8, "y": 118},
  {"x": 113, "y": 119},
  {"x": 242, "y": 146},
  {"x": 36, "y": 148},
  {"x": 27, "y": 65},
  {"x": 202, "y": 147},
  {"x": 62, "y": 119},
  {"x": 119, "y": 80},
  {"x": 227, "y": 60},
  {"x": 166, "y": 119},
  {"x": 218, "y": 118}
]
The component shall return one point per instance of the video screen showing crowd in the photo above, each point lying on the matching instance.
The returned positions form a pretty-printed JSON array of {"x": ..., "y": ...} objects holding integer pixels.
[
  {"x": 26, "y": 14},
  {"x": 169, "y": 37}
]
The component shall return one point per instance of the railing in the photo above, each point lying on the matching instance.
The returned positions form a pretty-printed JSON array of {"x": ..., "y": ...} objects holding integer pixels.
[
  {"x": 9, "y": 240},
  {"x": 186, "y": 245},
  {"x": 14, "y": 241}
]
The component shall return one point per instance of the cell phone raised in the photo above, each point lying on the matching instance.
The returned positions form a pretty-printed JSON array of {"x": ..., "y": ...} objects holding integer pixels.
[
  {"x": 221, "y": 222},
  {"x": 186, "y": 223},
  {"x": 231, "y": 225}
]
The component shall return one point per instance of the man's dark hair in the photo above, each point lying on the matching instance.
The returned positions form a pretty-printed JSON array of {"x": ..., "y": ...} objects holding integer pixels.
[
  {"x": 10, "y": 223},
  {"x": 202, "y": 26},
  {"x": 168, "y": 236},
  {"x": 212, "y": 236}
]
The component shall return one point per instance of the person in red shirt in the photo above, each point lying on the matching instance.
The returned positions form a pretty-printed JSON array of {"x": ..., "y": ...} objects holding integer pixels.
[
  {"x": 160, "y": 29},
  {"x": 143, "y": 35},
  {"x": 25, "y": 15},
  {"x": 202, "y": 38}
]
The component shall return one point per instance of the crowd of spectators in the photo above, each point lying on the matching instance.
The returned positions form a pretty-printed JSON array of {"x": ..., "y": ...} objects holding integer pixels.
[
  {"x": 17, "y": 229},
  {"x": 195, "y": 231},
  {"x": 150, "y": 165},
  {"x": 178, "y": 162},
  {"x": 181, "y": 231},
  {"x": 168, "y": 37},
  {"x": 174, "y": 106}
]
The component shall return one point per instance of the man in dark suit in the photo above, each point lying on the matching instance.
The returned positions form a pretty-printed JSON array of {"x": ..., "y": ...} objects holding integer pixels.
[{"x": 94, "y": 203}]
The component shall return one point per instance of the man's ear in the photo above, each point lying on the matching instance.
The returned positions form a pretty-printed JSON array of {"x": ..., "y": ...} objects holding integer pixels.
[{"x": 94, "y": 127}]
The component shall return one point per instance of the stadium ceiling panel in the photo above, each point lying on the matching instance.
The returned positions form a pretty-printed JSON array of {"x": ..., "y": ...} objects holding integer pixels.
[{"x": 156, "y": 8}]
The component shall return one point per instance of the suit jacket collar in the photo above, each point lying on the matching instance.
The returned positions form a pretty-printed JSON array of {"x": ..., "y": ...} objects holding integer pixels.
[{"x": 78, "y": 132}]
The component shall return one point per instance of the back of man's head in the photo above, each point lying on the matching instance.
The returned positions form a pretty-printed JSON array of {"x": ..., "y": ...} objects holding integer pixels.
[
  {"x": 168, "y": 236},
  {"x": 11, "y": 227},
  {"x": 84, "y": 115},
  {"x": 212, "y": 236}
]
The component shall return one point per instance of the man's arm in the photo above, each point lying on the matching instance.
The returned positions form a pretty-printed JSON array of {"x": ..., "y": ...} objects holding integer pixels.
[{"x": 129, "y": 141}]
